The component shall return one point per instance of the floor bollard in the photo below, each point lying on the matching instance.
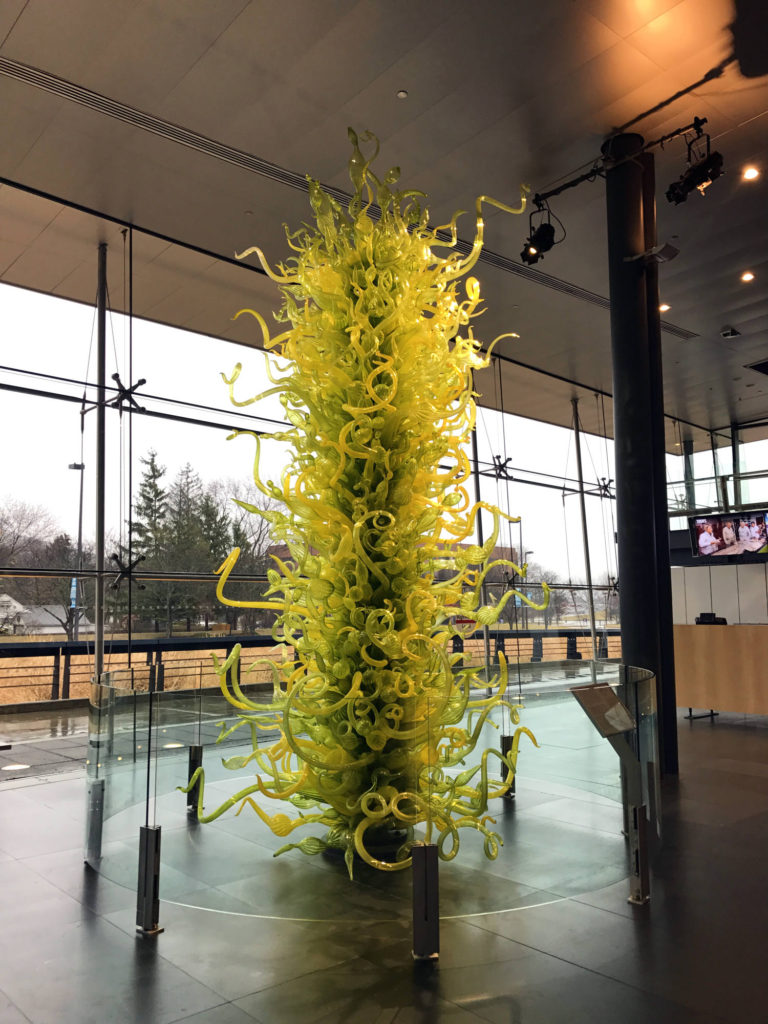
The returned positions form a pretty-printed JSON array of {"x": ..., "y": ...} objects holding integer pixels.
[
  {"x": 426, "y": 902},
  {"x": 148, "y": 888}
]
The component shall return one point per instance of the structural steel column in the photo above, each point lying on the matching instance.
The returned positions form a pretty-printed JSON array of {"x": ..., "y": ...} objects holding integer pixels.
[
  {"x": 585, "y": 532},
  {"x": 101, "y": 396},
  {"x": 481, "y": 541},
  {"x": 638, "y": 430},
  {"x": 690, "y": 484},
  {"x": 665, "y": 686},
  {"x": 721, "y": 486},
  {"x": 735, "y": 443}
]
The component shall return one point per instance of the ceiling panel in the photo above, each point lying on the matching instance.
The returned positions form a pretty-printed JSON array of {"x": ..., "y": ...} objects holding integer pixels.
[{"x": 498, "y": 95}]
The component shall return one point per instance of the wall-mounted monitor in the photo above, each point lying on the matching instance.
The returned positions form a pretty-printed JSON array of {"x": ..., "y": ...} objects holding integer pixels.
[{"x": 728, "y": 533}]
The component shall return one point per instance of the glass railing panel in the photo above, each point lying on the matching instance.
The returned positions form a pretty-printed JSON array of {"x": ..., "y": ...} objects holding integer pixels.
[
  {"x": 570, "y": 785},
  {"x": 118, "y": 749}
]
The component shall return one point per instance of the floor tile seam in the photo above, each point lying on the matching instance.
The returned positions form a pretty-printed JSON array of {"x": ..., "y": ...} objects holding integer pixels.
[
  {"x": 464, "y": 1009},
  {"x": 29, "y": 781},
  {"x": 575, "y": 824},
  {"x": 136, "y": 937},
  {"x": 218, "y": 1006},
  {"x": 544, "y": 952},
  {"x": 28, "y": 741},
  {"x": 595, "y": 971},
  {"x": 55, "y": 884},
  {"x": 292, "y": 980},
  {"x": 600, "y": 974},
  {"x": 581, "y": 900},
  {"x": 15, "y": 1006},
  {"x": 532, "y": 817}
]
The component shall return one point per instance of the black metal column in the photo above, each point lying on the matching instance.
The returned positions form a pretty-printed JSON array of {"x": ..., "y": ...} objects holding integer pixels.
[
  {"x": 148, "y": 887},
  {"x": 721, "y": 488},
  {"x": 585, "y": 532},
  {"x": 195, "y": 762},
  {"x": 735, "y": 444},
  {"x": 101, "y": 393},
  {"x": 637, "y": 408},
  {"x": 690, "y": 483},
  {"x": 665, "y": 671},
  {"x": 481, "y": 541},
  {"x": 426, "y": 902}
]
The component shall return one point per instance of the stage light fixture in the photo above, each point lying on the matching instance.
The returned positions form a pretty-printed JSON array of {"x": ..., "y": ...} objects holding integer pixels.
[
  {"x": 540, "y": 241},
  {"x": 704, "y": 167},
  {"x": 541, "y": 236}
]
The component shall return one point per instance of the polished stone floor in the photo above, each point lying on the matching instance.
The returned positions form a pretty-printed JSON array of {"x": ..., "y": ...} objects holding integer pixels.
[{"x": 543, "y": 935}]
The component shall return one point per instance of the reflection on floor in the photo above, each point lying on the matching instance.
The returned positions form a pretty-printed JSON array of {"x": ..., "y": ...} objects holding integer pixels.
[{"x": 541, "y": 936}]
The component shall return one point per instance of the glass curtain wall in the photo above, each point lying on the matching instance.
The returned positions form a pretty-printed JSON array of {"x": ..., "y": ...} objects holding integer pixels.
[
  {"x": 705, "y": 479},
  {"x": 172, "y": 470}
]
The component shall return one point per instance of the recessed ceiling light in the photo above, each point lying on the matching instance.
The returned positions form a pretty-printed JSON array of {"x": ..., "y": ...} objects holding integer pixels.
[
  {"x": 747, "y": 276},
  {"x": 172, "y": 746},
  {"x": 14, "y": 767},
  {"x": 664, "y": 307},
  {"x": 402, "y": 94},
  {"x": 750, "y": 173}
]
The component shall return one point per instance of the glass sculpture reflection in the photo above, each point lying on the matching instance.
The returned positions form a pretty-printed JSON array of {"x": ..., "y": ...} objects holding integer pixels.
[{"x": 377, "y": 716}]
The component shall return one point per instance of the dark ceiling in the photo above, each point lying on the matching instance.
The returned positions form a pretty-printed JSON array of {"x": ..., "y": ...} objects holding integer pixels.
[{"x": 199, "y": 122}]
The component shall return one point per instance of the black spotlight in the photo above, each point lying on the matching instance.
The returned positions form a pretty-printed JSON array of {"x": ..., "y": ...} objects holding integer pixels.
[
  {"x": 540, "y": 241},
  {"x": 703, "y": 168},
  {"x": 699, "y": 175}
]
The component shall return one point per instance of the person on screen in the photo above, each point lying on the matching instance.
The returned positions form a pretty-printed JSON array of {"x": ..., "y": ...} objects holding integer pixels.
[
  {"x": 708, "y": 543},
  {"x": 754, "y": 531},
  {"x": 744, "y": 531},
  {"x": 729, "y": 534}
]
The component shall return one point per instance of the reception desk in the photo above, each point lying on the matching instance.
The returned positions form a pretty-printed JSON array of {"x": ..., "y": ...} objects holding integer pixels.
[{"x": 722, "y": 667}]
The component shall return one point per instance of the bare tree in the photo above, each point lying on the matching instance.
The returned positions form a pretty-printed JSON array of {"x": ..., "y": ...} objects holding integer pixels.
[{"x": 22, "y": 528}]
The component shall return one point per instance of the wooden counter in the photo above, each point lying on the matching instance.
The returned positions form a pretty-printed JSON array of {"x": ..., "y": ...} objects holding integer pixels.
[{"x": 722, "y": 667}]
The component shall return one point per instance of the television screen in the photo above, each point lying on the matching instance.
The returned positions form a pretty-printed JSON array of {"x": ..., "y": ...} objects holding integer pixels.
[{"x": 729, "y": 533}]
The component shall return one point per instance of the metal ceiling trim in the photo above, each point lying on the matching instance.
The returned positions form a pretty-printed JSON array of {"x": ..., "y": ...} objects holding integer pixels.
[
  {"x": 50, "y": 83},
  {"x": 99, "y": 103}
]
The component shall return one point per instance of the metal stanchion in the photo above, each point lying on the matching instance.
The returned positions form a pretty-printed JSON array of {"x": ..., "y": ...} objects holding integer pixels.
[
  {"x": 148, "y": 888},
  {"x": 639, "y": 879},
  {"x": 506, "y": 746},
  {"x": 94, "y": 821},
  {"x": 195, "y": 762},
  {"x": 426, "y": 903}
]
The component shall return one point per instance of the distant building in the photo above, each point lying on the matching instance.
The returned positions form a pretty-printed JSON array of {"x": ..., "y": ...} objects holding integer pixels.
[
  {"x": 51, "y": 618},
  {"x": 38, "y": 620},
  {"x": 11, "y": 612}
]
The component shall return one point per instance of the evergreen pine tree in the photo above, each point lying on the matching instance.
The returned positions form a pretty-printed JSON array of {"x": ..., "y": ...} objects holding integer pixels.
[{"x": 149, "y": 531}]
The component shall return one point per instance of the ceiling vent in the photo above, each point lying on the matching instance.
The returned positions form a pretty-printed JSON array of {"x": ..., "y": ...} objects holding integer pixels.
[
  {"x": 729, "y": 332},
  {"x": 761, "y": 367}
]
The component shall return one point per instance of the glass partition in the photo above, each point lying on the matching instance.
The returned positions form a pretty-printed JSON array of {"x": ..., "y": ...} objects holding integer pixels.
[{"x": 146, "y": 741}]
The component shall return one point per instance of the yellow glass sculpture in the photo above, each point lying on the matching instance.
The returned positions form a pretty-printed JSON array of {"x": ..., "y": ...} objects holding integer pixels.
[{"x": 374, "y": 370}]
